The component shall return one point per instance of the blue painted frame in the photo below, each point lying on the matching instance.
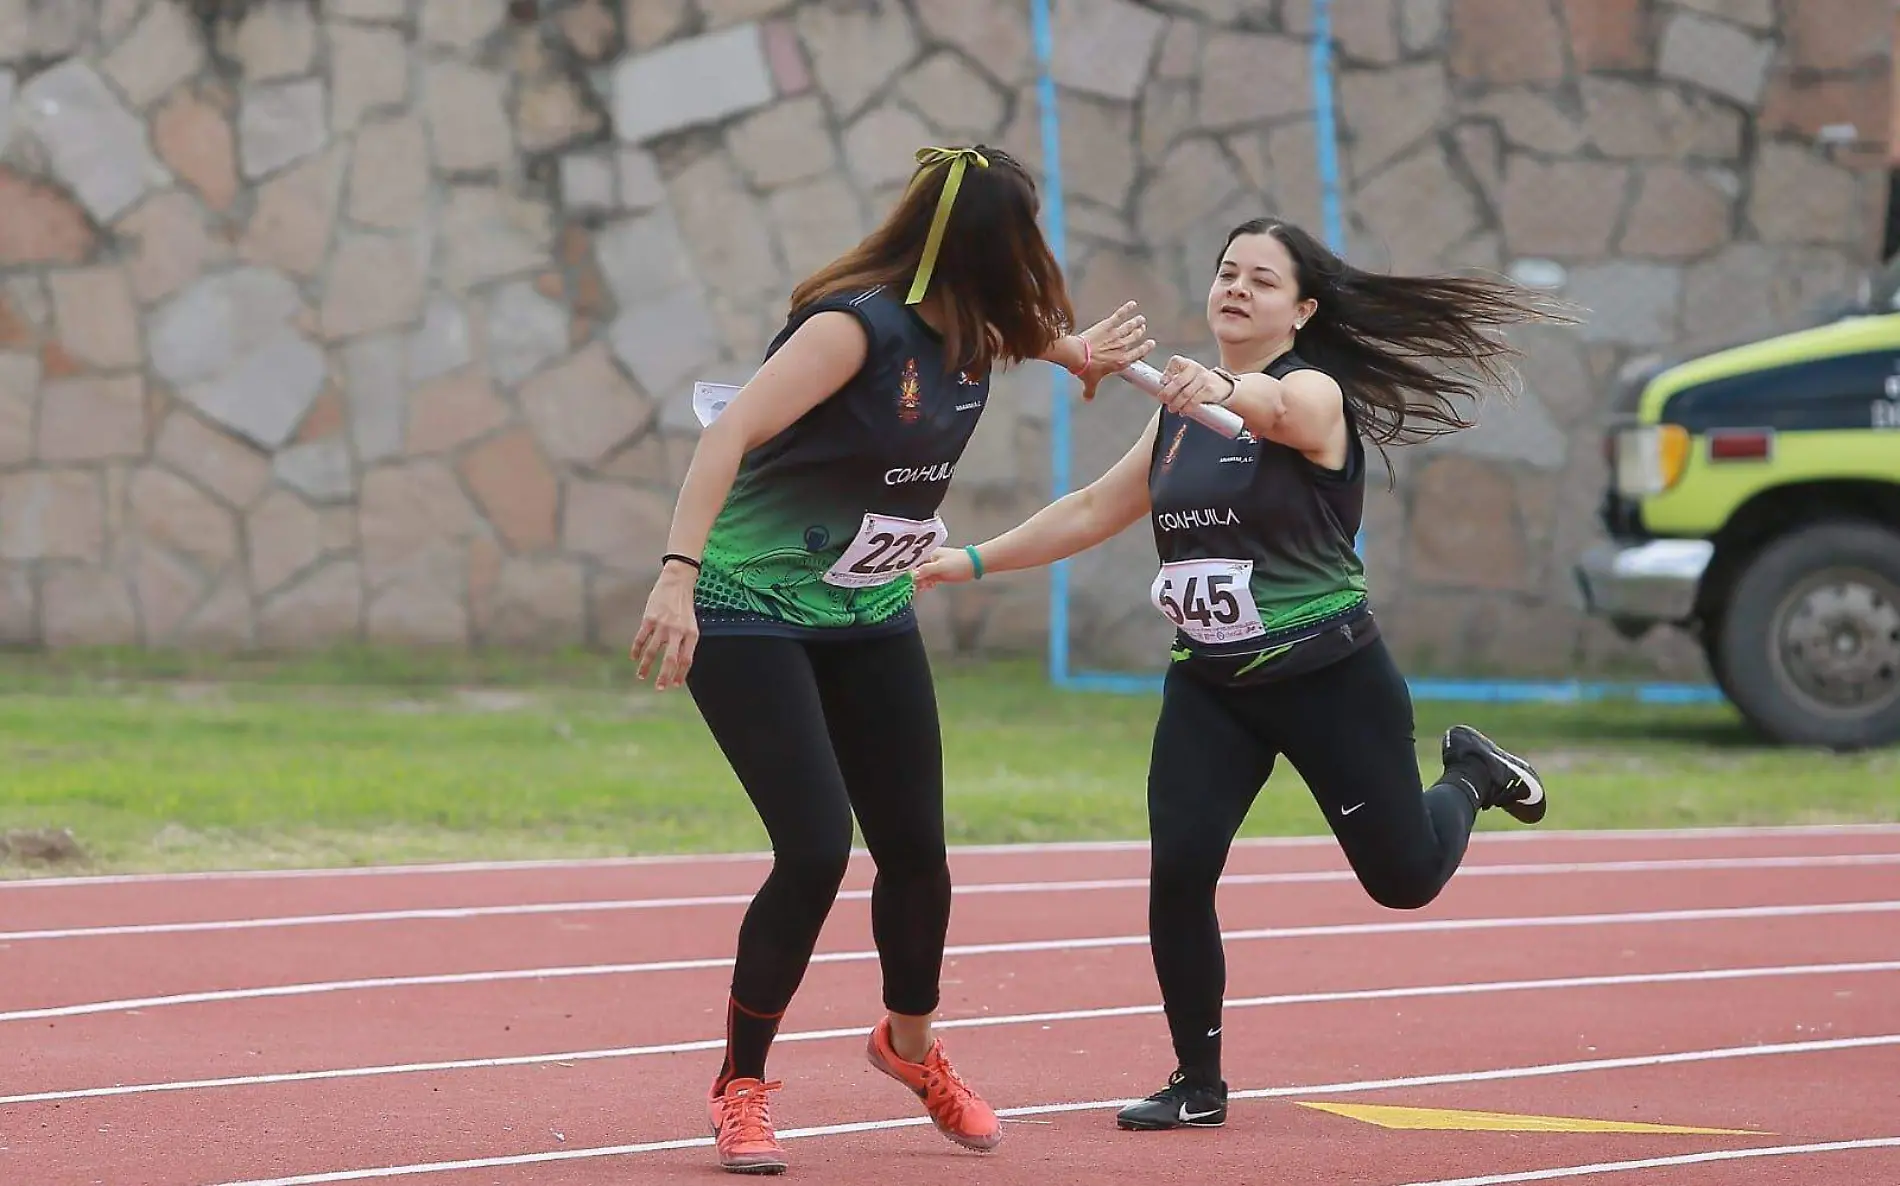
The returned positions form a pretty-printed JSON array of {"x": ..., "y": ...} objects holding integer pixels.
[
  {"x": 1061, "y": 674},
  {"x": 1055, "y": 229}
]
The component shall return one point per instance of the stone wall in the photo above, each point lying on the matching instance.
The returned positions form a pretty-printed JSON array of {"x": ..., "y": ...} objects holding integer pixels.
[
  {"x": 1702, "y": 170},
  {"x": 339, "y": 319}
]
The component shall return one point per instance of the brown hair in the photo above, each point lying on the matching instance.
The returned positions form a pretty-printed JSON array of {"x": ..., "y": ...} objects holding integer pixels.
[
  {"x": 995, "y": 282},
  {"x": 1377, "y": 336}
]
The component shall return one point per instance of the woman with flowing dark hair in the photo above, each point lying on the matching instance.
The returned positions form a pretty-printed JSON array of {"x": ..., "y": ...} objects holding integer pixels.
[
  {"x": 1277, "y": 651},
  {"x": 783, "y": 601}
]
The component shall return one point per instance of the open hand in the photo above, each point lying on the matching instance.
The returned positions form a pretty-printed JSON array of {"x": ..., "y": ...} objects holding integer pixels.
[
  {"x": 669, "y": 630},
  {"x": 1114, "y": 342}
]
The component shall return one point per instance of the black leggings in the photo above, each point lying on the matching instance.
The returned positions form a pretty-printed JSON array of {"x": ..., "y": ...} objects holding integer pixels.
[
  {"x": 815, "y": 731},
  {"x": 1348, "y": 730}
]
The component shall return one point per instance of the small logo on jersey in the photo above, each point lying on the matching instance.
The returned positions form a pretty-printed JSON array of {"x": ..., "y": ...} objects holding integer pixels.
[
  {"x": 1237, "y": 459},
  {"x": 816, "y": 538},
  {"x": 1174, "y": 447},
  {"x": 1205, "y": 517},
  {"x": 972, "y": 406},
  {"x": 904, "y": 476},
  {"x": 967, "y": 379},
  {"x": 910, "y": 403}
]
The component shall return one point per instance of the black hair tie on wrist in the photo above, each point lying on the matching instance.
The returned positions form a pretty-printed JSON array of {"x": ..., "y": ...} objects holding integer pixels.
[{"x": 688, "y": 560}]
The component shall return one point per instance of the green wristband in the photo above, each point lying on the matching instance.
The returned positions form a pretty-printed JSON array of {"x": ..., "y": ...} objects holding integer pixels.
[{"x": 976, "y": 561}]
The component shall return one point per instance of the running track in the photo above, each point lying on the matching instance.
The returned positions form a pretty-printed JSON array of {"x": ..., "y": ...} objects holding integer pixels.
[{"x": 558, "y": 1023}]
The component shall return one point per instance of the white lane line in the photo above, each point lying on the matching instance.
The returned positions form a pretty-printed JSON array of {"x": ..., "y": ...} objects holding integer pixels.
[
  {"x": 320, "y": 987},
  {"x": 1479, "y": 840},
  {"x": 1652, "y": 1163},
  {"x": 1406, "y": 992},
  {"x": 1538, "y": 1070},
  {"x": 1310, "y": 877}
]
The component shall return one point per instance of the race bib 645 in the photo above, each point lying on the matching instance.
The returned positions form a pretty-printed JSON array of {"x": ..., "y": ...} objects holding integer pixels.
[{"x": 1209, "y": 600}]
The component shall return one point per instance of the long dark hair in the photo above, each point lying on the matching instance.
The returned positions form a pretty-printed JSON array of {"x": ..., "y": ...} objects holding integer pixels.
[
  {"x": 994, "y": 280},
  {"x": 1378, "y": 336}
]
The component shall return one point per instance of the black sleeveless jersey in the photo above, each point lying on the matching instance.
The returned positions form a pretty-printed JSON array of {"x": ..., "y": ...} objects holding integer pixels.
[
  {"x": 825, "y": 520},
  {"x": 1257, "y": 566}
]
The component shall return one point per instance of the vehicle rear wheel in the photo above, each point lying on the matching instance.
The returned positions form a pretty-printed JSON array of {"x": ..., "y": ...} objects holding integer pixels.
[{"x": 1810, "y": 640}]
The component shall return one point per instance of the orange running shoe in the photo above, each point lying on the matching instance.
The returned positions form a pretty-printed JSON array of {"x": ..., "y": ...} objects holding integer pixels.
[
  {"x": 742, "y": 1125},
  {"x": 955, "y": 1107}
]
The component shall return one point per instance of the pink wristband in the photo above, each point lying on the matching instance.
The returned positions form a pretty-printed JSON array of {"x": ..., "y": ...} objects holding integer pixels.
[{"x": 1088, "y": 354}]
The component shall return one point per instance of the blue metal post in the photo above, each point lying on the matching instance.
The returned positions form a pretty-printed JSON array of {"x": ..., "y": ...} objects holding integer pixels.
[{"x": 1060, "y": 444}]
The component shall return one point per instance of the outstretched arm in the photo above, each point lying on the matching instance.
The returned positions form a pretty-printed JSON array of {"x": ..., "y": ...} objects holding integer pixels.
[
  {"x": 1304, "y": 411},
  {"x": 1073, "y": 523}
]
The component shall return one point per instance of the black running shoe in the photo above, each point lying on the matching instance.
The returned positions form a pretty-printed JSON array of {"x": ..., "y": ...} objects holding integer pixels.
[
  {"x": 1183, "y": 1103},
  {"x": 1512, "y": 783}
]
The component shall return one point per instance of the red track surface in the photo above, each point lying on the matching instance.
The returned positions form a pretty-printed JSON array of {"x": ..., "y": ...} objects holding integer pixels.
[{"x": 598, "y": 1117}]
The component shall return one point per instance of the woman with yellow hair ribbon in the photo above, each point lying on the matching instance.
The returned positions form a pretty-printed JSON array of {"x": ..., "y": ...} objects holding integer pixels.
[{"x": 783, "y": 602}]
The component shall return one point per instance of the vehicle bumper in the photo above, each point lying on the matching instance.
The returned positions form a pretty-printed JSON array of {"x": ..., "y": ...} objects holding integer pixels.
[{"x": 1644, "y": 583}]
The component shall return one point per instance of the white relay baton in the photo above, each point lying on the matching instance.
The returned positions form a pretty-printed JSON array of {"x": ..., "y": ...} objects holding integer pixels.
[{"x": 1222, "y": 420}]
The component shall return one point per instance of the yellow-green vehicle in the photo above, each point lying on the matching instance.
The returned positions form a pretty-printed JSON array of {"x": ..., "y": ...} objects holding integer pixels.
[{"x": 1754, "y": 500}]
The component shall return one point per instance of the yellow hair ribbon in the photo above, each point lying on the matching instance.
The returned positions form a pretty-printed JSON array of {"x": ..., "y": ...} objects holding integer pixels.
[{"x": 959, "y": 159}]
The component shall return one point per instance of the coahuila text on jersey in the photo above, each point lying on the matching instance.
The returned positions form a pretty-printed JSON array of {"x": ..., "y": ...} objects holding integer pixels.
[
  {"x": 1205, "y": 517},
  {"x": 919, "y": 473}
]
